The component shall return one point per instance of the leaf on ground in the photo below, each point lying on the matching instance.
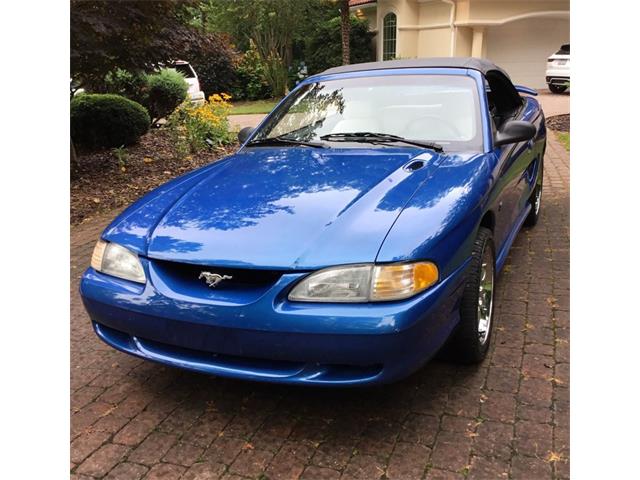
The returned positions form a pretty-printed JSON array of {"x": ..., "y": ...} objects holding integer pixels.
[
  {"x": 554, "y": 457},
  {"x": 478, "y": 421}
]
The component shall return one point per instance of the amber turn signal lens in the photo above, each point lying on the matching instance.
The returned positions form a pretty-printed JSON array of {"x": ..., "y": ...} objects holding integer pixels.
[
  {"x": 400, "y": 281},
  {"x": 98, "y": 255},
  {"x": 424, "y": 275}
]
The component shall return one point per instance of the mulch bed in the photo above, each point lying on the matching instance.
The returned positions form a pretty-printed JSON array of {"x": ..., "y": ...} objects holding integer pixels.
[
  {"x": 100, "y": 183},
  {"x": 559, "y": 123}
]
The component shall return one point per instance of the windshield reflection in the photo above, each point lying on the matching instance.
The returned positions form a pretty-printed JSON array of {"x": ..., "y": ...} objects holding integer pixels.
[{"x": 434, "y": 108}]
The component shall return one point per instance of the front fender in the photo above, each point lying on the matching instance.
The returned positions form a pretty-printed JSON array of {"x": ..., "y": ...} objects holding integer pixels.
[
  {"x": 134, "y": 225},
  {"x": 440, "y": 222}
]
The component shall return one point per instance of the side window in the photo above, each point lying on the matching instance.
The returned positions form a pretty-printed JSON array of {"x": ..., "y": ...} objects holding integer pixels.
[
  {"x": 389, "y": 36},
  {"x": 492, "y": 106},
  {"x": 504, "y": 101}
]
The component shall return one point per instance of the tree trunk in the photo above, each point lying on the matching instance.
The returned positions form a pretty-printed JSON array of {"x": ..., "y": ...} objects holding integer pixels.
[
  {"x": 74, "y": 159},
  {"x": 346, "y": 31}
]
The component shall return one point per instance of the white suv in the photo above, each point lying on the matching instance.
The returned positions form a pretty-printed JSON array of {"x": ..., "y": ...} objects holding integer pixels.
[
  {"x": 195, "y": 94},
  {"x": 558, "y": 70}
]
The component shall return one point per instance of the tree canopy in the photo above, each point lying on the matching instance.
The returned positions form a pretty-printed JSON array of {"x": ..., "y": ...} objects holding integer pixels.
[
  {"x": 272, "y": 26},
  {"x": 132, "y": 35},
  {"x": 137, "y": 36},
  {"x": 325, "y": 49},
  {"x": 286, "y": 31}
]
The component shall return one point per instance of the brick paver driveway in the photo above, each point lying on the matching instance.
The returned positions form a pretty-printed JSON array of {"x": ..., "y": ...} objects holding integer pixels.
[{"x": 508, "y": 418}]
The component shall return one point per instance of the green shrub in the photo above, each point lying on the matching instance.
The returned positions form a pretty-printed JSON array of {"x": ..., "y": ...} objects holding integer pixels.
[
  {"x": 132, "y": 85},
  {"x": 165, "y": 91},
  {"x": 107, "y": 120},
  {"x": 252, "y": 83}
]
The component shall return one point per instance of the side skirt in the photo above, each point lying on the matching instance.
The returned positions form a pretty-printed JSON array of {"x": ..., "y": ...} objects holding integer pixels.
[{"x": 504, "y": 249}]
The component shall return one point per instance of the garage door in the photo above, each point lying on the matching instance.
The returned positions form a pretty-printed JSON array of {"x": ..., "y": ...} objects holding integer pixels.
[{"x": 522, "y": 47}]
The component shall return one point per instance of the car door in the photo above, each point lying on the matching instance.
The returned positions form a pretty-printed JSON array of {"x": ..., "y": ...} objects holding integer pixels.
[
  {"x": 513, "y": 159},
  {"x": 506, "y": 173},
  {"x": 520, "y": 161},
  {"x": 530, "y": 158},
  {"x": 510, "y": 160}
]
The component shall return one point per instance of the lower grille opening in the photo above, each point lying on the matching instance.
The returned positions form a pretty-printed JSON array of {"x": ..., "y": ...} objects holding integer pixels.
[{"x": 233, "y": 365}]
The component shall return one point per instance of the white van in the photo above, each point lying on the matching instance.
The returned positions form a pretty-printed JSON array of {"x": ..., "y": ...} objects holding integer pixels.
[{"x": 195, "y": 94}]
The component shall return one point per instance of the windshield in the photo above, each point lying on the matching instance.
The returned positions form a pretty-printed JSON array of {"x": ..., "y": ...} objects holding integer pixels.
[{"x": 436, "y": 108}]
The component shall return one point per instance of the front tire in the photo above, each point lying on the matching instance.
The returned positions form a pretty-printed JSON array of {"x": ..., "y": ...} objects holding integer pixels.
[
  {"x": 470, "y": 342},
  {"x": 535, "y": 200},
  {"x": 557, "y": 88}
]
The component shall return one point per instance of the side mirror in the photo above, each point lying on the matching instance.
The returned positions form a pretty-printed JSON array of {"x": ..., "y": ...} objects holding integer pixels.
[
  {"x": 244, "y": 134},
  {"x": 514, "y": 131}
]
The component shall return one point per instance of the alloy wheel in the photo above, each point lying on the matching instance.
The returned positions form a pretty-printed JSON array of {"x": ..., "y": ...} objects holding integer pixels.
[
  {"x": 485, "y": 297},
  {"x": 538, "y": 200}
]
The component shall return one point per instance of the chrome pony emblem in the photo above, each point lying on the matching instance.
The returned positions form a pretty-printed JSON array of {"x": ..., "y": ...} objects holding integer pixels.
[{"x": 213, "y": 279}]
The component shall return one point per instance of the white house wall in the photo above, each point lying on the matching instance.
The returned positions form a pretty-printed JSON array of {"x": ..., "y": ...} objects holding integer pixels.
[{"x": 518, "y": 35}]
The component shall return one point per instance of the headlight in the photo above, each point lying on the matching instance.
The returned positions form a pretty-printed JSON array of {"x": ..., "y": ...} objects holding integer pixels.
[
  {"x": 366, "y": 283},
  {"x": 116, "y": 260}
]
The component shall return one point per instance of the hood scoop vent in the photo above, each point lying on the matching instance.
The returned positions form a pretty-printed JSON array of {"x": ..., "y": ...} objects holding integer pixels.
[{"x": 415, "y": 165}]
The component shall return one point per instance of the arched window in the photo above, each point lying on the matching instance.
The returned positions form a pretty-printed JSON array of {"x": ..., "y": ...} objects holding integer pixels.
[{"x": 389, "y": 36}]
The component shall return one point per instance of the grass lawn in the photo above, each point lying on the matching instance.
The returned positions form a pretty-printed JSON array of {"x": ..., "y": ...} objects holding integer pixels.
[
  {"x": 563, "y": 137},
  {"x": 254, "y": 106}
]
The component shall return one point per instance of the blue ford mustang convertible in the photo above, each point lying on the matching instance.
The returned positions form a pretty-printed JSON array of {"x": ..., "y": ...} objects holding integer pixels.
[{"x": 357, "y": 231}]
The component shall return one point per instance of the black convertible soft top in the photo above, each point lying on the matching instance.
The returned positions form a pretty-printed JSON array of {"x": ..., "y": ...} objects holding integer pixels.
[{"x": 480, "y": 64}]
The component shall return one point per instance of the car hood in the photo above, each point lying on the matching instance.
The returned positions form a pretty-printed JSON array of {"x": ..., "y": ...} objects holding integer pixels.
[{"x": 283, "y": 208}]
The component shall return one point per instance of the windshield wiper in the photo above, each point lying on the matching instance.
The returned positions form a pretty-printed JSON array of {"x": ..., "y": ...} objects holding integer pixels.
[
  {"x": 281, "y": 140},
  {"x": 379, "y": 138}
]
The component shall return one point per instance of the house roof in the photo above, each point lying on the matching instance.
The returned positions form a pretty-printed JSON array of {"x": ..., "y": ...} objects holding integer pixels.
[
  {"x": 357, "y": 3},
  {"x": 480, "y": 64}
]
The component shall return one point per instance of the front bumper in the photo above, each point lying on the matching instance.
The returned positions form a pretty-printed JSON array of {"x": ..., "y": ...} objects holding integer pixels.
[
  {"x": 557, "y": 78},
  {"x": 270, "y": 339}
]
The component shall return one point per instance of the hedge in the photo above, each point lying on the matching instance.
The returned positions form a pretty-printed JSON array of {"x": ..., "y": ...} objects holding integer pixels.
[{"x": 107, "y": 120}]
